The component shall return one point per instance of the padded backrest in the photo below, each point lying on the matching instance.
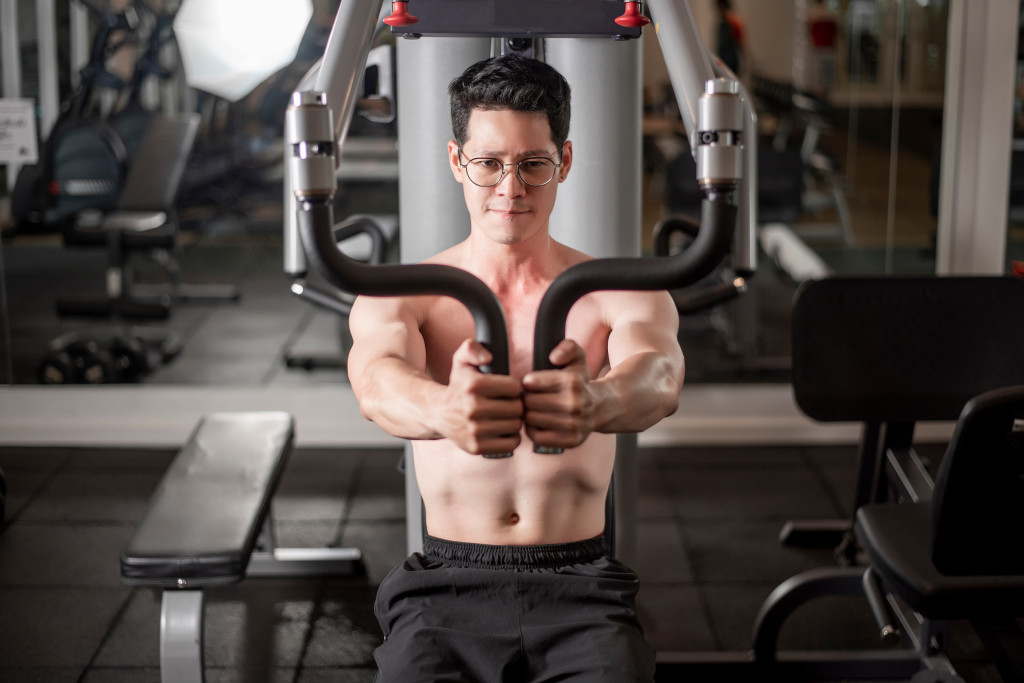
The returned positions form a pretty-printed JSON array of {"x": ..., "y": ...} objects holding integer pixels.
[
  {"x": 904, "y": 349},
  {"x": 978, "y": 502},
  {"x": 155, "y": 175}
]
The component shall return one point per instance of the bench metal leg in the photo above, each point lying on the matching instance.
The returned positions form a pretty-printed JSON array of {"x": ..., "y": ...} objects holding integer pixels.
[
  {"x": 270, "y": 561},
  {"x": 296, "y": 562},
  {"x": 181, "y": 637}
]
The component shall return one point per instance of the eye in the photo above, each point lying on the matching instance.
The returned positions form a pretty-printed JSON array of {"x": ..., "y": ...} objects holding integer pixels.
[
  {"x": 534, "y": 164},
  {"x": 487, "y": 163}
]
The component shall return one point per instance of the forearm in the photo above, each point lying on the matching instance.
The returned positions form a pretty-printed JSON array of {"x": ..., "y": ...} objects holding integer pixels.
[
  {"x": 638, "y": 393},
  {"x": 399, "y": 399}
]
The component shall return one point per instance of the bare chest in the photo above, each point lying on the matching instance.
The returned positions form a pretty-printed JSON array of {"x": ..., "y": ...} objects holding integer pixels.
[{"x": 448, "y": 323}]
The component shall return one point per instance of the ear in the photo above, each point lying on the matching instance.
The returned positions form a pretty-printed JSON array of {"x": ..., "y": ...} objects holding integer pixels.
[
  {"x": 453, "y": 161},
  {"x": 563, "y": 172}
]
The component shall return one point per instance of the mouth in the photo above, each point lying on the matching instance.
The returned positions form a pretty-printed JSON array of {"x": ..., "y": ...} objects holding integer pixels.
[{"x": 512, "y": 211}]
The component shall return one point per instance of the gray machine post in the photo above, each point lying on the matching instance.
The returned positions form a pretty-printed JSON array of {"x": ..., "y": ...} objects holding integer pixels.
[
  {"x": 432, "y": 212},
  {"x": 599, "y": 208}
]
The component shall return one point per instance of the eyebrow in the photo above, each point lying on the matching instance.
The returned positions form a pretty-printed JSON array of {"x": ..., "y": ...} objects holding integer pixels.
[{"x": 528, "y": 153}]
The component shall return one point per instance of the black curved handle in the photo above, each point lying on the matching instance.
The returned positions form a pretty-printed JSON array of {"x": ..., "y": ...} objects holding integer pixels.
[
  {"x": 718, "y": 220},
  {"x": 679, "y": 223},
  {"x": 317, "y": 234},
  {"x": 717, "y": 223}
]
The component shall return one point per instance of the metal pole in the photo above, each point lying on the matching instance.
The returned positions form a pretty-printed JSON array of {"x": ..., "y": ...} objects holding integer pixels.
[
  {"x": 344, "y": 59},
  {"x": 79, "y": 39},
  {"x": 49, "y": 82},
  {"x": 689, "y": 66},
  {"x": 10, "y": 57},
  {"x": 976, "y": 137},
  {"x": 10, "y": 64}
]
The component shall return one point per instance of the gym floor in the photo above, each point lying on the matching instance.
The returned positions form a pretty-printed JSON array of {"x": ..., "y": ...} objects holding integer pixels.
[{"x": 707, "y": 554}]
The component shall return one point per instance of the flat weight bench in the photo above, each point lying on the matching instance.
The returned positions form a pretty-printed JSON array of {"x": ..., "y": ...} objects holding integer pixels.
[{"x": 209, "y": 523}]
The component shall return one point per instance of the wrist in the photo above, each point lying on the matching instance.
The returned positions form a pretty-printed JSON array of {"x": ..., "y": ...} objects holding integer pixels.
[{"x": 608, "y": 405}]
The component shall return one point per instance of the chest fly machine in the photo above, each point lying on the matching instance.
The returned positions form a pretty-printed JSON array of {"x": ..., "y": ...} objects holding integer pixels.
[{"x": 596, "y": 46}]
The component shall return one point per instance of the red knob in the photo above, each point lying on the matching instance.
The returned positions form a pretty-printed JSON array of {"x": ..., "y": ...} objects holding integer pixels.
[
  {"x": 631, "y": 18},
  {"x": 400, "y": 14}
]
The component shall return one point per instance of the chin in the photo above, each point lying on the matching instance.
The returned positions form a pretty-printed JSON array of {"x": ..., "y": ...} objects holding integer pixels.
[{"x": 506, "y": 238}]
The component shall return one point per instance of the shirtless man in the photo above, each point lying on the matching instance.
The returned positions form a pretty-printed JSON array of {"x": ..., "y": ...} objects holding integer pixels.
[{"x": 514, "y": 582}]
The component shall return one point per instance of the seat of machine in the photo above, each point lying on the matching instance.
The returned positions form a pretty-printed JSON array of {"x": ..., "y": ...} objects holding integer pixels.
[
  {"x": 134, "y": 229},
  {"x": 957, "y": 554},
  {"x": 896, "y": 539}
]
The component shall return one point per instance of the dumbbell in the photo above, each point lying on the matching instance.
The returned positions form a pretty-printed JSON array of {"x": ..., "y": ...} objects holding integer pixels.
[
  {"x": 130, "y": 358},
  {"x": 58, "y": 367},
  {"x": 93, "y": 363}
]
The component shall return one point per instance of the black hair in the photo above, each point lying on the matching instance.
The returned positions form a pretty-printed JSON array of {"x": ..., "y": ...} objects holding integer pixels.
[{"x": 511, "y": 82}]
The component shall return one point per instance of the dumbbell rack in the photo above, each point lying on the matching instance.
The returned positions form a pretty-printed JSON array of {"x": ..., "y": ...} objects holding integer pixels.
[{"x": 107, "y": 356}]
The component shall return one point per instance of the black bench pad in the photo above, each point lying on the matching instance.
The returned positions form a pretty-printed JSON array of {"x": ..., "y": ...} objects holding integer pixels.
[
  {"x": 897, "y": 541},
  {"x": 204, "y": 519}
]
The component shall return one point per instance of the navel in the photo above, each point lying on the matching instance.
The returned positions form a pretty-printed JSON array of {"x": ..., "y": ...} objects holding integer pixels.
[{"x": 513, "y": 518}]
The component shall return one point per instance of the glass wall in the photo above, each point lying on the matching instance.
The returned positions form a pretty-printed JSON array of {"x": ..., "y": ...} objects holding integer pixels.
[
  {"x": 850, "y": 97},
  {"x": 209, "y": 305},
  {"x": 1015, "y": 214}
]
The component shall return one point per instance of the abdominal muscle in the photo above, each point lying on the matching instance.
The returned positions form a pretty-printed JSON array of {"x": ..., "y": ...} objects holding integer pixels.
[{"x": 527, "y": 499}]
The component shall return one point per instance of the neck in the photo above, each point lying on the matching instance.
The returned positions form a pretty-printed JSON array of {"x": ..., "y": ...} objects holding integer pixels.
[{"x": 512, "y": 266}]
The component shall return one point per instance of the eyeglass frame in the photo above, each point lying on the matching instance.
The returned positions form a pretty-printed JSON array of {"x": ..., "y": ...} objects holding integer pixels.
[{"x": 504, "y": 169}]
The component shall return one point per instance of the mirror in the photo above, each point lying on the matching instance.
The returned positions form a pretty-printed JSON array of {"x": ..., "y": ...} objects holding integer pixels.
[{"x": 850, "y": 126}]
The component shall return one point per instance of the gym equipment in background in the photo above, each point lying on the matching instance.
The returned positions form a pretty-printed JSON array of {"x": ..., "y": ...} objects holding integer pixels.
[
  {"x": 366, "y": 239},
  {"x": 124, "y": 355},
  {"x": 957, "y": 556},
  {"x": 202, "y": 529},
  {"x": 145, "y": 224},
  {"x": 83, "y": 161},
  {"x": 131, "y": 118}
]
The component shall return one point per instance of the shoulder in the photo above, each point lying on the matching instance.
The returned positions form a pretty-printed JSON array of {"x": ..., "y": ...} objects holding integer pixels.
[
  {"x": 405, "y": 308},
  {"x": 452, "y": 256},
  {"x": 618, "y": 306},
  {"x": 372, "y": 313},
  {"x": 566, "y": 257}
]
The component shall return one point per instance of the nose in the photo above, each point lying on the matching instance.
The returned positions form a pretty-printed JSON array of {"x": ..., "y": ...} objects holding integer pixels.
[{"x": 511, "y": 185}]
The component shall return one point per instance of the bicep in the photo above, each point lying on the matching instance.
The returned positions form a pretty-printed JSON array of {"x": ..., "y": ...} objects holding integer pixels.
[
  {"x": 383, "y": 328},
  {"x": 642, "y": 322}
]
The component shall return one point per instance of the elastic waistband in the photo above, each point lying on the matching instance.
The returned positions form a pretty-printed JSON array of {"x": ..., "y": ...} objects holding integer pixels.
[{"x": 513, "y": 557}]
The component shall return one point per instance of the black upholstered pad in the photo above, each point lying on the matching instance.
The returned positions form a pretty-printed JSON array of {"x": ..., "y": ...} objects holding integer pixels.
[
  {"x": 897, "y": 540},
  {"x": 206, "y": 514},
  {"x": 904, "y": 349}
]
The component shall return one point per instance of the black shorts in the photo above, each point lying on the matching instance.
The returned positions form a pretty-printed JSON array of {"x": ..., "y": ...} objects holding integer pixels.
[{"x": 468, "y": 612}]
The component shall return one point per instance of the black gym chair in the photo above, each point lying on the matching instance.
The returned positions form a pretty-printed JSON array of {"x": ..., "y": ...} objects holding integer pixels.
[
  {"x": 889, "y": 353},
  {"x": 144, "y": 223},
  {"x": 959, "y": 555}
]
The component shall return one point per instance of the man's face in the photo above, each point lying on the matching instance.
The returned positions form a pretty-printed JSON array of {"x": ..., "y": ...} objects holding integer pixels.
[{"x": 510, "y": 212}]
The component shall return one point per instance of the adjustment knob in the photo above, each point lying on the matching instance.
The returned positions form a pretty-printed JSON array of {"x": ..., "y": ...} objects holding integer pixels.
[
  {"x": 631, "y": 18},
  {"x": 400, "y": 14}
]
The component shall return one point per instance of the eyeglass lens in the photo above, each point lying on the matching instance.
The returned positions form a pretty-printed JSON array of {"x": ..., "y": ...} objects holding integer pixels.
[{"x": 534, "y": 171}]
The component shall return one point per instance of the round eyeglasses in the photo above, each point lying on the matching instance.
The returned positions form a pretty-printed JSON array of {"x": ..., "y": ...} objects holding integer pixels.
[{"x": 488, "y": 172}]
